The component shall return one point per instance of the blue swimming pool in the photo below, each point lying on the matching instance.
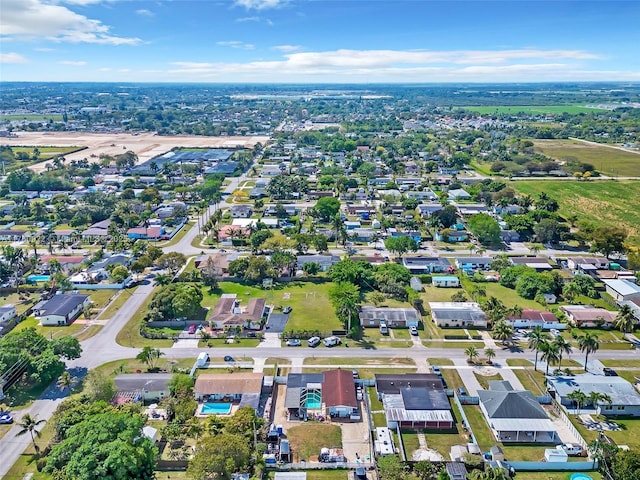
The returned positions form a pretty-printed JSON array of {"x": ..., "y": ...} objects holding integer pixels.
[
  {"x": 580, "y": 476},
  {"x": 215, "y": 409},
  {"x": 314, "y": 401},
  {"x": 38, "y": 278}
]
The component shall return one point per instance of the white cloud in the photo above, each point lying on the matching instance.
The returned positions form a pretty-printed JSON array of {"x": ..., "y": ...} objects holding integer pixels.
[
  {"x": 104, "y": 69},
  {"x": 407, "y": 66},
  {"x": 260, "y": 4},
  {"x": 236, "y": 44},
  {"x": 36, "y": 19},
  {"x": 248, "y": 19},
  {"x": 145, "y": 13},
  {"x": 44, "y": 49},
  {"x": 73, "y": 63},
  {"x": 287, "y": 48},
  {"x": 12, "y": 57}
]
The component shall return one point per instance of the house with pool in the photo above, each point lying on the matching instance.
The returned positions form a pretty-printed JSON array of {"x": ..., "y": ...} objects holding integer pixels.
[{"x": 223, "y": 393}]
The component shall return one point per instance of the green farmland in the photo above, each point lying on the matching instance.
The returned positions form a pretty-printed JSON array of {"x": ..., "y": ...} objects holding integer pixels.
[
  {"x": 531, "y": 109},
  {"x": 606, "y": 159},
  {"x": 608, "y": 203}
]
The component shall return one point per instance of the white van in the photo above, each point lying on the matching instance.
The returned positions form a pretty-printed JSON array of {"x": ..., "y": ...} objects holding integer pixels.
[
  {"x": 313, "y": 341},
  {"x": 203, "y": 359},
  {"x": 331, "y": 341},
  {"x": 384, "y": 330}
]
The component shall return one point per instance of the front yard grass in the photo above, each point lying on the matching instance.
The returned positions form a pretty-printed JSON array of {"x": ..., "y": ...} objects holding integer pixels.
[
  {"x": 440, "y": 361},
  {"x": 358, "y": 361},
  {"x": 518, "y": 362},
  {"x": 485, "y": 379},
  {"x": 307, "y": 440},
  {"x": 621, "y": 363},
  {"x": 49, "y": 332},
  {"x": 452, "y": 344},
  {"x": 531, "y": 380}
]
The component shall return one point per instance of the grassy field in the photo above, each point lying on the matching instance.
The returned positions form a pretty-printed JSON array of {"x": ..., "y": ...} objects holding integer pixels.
[
  {"x": 358, "y": 361},
  {"x": 603, "y": 203},
  {"x": 606, "y": 159},
  {"x": 307, "y": 440},
  {"x": 532, "y": 109}
]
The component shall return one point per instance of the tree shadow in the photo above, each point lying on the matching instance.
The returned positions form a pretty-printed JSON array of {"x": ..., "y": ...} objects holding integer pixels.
[{"x": 366, "y": 344}]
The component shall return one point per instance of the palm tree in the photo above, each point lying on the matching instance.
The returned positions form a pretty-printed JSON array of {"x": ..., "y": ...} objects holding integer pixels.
[
  {"x": 163, "y": 279},
  {"x": 588, "y": 343},
  {"x": 494, "y": 309},
  {"x": 149, "y": 356},
  {"x": 625, "y": 320},
  {"x": 563, "y": 347},
  {"x": 536, "y": 338},
  {"x": 65, "y": 381},
  {"x": 579, "y": 398},
  {"x": 549, "y": 353},
  {"x": 502, "y": 331},
  {"x": 15, "y": 257},
  {"x": 595, "y": 398},
  {"x": 490, "y": 354},
  {"x": 570, "y": 291},
  {"x": 471, "y": 352},
  {"x": 29, "y": 425}
]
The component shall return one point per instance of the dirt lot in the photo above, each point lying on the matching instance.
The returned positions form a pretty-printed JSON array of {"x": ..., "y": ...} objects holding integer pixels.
[
  {"x": 145, "y": 145},
  {"x": 355, "y": 436}
]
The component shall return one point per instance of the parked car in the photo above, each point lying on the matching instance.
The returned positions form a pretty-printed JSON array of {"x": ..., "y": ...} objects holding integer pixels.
[
  {"x": 286, "y": 310},
  {"x": 313, "y": 341},
  {"x": 293, "y": 342},
  {"x": 355, "y": 374},
  {"x": 192, "y": 329},
  {"x": 436, "y": 370},
  {"x": 571, "y": 449},
  {"x": 462, "y": 391},
  {"x": 228, "y": 358},
  {"x": 331, "y": 341},
  {"x": 5, "y": 418},
  {"x": 413, "y": 330},
  {"x": 609, "y": 372}
]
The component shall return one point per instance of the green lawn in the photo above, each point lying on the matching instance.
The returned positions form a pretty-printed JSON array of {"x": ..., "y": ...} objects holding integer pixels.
[
  {"x": 518, "y": 362},
  {"x": 607, "y": 203},
  {"x": 130, "y": 336},
  {"x": 307, "y": 440},
  {"x": 49, "y": 332},
  {"x": 606, "y": 159},
  {"x": 15, "y": 299},
  {"x": 531, "y": 380},
  {"x": 358, "y": 361},
  {"x": 116, "y": 304},
  {"x": 485, "y": 379},
  {"x": 435, "y": 294},
  {"x": 452, "y": 344},
  {"x": 376, "y": 405},
  {"x": 440, "y": 361},
  {"x": 506, "y": 295},
  {"x": 178, "y": 236},
  {"x": 622, "y": 363}
]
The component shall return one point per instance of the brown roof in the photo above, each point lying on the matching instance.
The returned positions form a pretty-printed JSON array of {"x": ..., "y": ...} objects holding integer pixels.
[
  {"x": 62, "y": 259},
  {"x": 224, "y": 311},
  {"x": 231, "y": 384},
  {"x": 532, "y": 314},
  {"x": 219, "y": 260},
  {"x": 589, "y": 314},
  {"x": 339, "y": 389}
]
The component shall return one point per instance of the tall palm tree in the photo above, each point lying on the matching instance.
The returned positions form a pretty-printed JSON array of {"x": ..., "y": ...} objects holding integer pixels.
[
  {"x": 588, "y": 343},
  {"x": 15, "y": 257},
  {"x": 502, "y": 331},
  {"x": 595, "y": 398},
  {"x": 490, "y": 354},
  {"x": 65, "y": 381},
  {"x": 537, "y": 337},
  {"x": 471, "y": 352},
  {"x": 563, "y": 347},
  {"x": 579, "y": 398},
  {"x": 625, "y": 320},
  {"x": 30, "y": 424},
  {"x": 494, "y": 309},
  {"x": 549, "y": 353}
]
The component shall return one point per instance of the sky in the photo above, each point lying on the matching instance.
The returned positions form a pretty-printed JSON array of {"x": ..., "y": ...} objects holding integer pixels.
[{"x": 319, "y": 41}]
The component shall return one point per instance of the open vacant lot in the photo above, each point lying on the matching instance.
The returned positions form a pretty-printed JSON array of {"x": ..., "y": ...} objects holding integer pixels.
[
  {"x": 144, "y": 145},
  {"x": 608, "y": 160},
  {"x": 610, "y": 203}
]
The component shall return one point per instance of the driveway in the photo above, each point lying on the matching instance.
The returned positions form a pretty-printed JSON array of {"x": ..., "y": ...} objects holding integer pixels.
[{"x": 277, "y": 322}]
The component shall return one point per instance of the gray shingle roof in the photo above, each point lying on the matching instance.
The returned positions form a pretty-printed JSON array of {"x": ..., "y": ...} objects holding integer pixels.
[
  {"x": 62, "y": 305},
  {"x": 510, "y": 404}
]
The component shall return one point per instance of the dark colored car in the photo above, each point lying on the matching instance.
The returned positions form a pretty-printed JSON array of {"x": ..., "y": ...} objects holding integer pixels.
[
  {"x": 286, "y": 310},
  {"x": 609, "y": 372},
  {"x": 228, "y": 358},
  {"x": 5, "y": 418}
]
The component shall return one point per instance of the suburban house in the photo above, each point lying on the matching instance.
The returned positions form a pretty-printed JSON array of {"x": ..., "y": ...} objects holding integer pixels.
[
  {"x": 393, "y": 317},
  {"x": 458, "y": 194},
  {"x": 530, "y": 318},
  {"x": 325, "y": 261},
  {"x": 219, "y": 262},
  {"x": 445, "y": 281},
  {"x": 426, "y": 265},
  {"x": 587, "y": 264},
  {"x": 8, "y": 235},
  {"x": 228, "y": 232},
  {"x": 414, "y": 400},
  {"x": 239, "y": 389},
  {"x": 61, "y": 309},
  {"x": 229, "y": 313},
  {"x": 66, "y": 262},
  {"x": 625, "y": 399},
  {"x": 143, "y": 387},
  {"x": 515, "y": 416},
  {"x": 452, "y": 236},
  {"x": 145, "y": 233},
  {"x": 622, "y": 290},
  {"x": 241, "y": 211},
  {"x": 537, "y": 263},
  {"x": 97, "y": 231},
  {"x": 469, "y": 209},
  {"x": 426, "y": 211},
  {"x": 473, "y": 263},
  {"x": 327, "y": 394},
  {"x": 588, "y": 316},
  {"x": 457, "y": 314},
  {"x": 7, "y": 313}
]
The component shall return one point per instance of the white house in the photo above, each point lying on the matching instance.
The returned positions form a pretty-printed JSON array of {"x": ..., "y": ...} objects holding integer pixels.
[
  {"x": 445, "y": 281},
  {"x": 457, "y": 314},
  {"x": 7, "y": 313},
  {"x": 61, "y": 309},
  {"x": 622, "y": 290}
]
